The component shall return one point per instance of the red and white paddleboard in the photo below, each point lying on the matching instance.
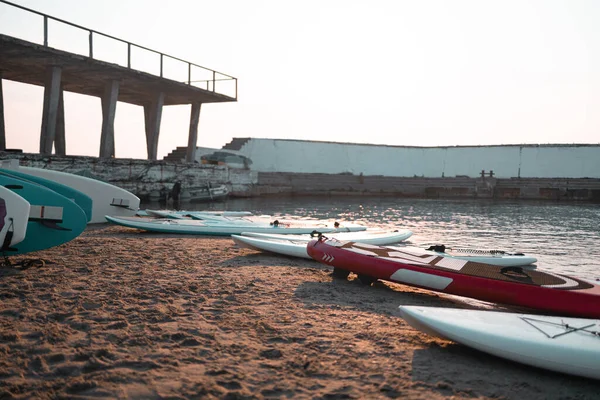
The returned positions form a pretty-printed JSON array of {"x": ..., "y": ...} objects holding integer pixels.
[{"x": 536, "y": 289}]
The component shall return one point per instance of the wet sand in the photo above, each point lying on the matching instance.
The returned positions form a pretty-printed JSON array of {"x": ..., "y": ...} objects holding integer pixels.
[{"x": 117, "y": 313}]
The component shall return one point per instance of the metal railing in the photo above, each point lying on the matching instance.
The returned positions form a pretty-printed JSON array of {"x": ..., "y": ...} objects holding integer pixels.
[{"x": 210, "y": 83}]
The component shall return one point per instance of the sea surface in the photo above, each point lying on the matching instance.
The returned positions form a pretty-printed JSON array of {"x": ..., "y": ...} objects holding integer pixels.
[{"x": 565, "y": 237}]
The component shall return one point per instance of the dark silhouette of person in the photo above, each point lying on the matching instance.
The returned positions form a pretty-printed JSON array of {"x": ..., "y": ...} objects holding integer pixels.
[{"x": 175, "y": 194}]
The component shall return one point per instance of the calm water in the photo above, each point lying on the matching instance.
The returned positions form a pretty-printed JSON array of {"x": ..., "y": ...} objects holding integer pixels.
[{"x": 564, "y": 237}]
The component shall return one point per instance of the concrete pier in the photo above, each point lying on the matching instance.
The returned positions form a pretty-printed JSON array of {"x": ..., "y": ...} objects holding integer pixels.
[{"x": 57, "y": 71}]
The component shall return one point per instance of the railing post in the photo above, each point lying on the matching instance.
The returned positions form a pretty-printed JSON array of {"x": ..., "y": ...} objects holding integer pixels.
[
  {"x": 161, "y": 64},
  {"x": 128, "y": 55},
  {"x": 236, "y": 88},
  {"x": 46, "y": 30},
  {"x": 214, "y": 75},
  {"x": 91, "y": 45},
  {"x": 189, "y": 73}
]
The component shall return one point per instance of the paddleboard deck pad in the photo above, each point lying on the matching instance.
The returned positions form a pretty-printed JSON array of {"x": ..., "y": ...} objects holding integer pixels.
[{"x": 532, "y": 288}]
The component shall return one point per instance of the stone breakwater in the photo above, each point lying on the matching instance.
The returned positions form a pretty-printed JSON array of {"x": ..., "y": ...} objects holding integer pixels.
[
  {"x": 486, "y": 187},
  {"x": 143, "y": 177}
]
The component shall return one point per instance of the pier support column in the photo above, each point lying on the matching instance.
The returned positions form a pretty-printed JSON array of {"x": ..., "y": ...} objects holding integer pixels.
[
  {"x": 152, "y": 116},
  {"x": 190, "y": 155},
  {"x": 109, "y": 109},
  {"x": 59, "y": 140},
  {"x": 50, "y": 112},
  {"x": 2, "y": 126}
]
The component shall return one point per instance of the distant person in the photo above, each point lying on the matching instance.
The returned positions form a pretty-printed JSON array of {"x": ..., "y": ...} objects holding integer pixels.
[
  {"x": 163, "y": 197},
  {"x": 176, "y": 194}
]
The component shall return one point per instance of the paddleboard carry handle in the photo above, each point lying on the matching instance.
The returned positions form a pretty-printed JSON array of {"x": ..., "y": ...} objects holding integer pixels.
[
  {"x": 48, "y": 216},
  {"x": 321, "y": 237},
  {"x": 276, "y": 223}
]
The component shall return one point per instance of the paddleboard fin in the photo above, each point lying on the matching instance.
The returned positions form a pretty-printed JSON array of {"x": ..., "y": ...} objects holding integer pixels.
[{"x": 53, "y": 225}]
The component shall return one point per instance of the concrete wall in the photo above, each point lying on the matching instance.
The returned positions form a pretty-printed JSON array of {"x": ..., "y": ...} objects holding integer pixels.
[{"x": 525, "y": 161}]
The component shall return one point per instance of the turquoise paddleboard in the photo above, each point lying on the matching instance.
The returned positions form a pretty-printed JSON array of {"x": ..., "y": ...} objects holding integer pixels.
[
  {"x": 83, "y": 200},
  {"x": 53, "y": 218}
]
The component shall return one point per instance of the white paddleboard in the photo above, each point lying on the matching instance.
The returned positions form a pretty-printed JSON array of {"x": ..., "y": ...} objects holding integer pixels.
[
  {"x": 503, "y": 259},
  {"x": 292, "y": 248},
  {"x": 16, "y": 218},
  {"x": 224, "y": 227},
  {"x": 295, "y": 245},
  {"x": 107, "y": 199},
  {"x": 179, "y": 214},
  {"x": 371, "y": 236},
  {"x": 568, "y": 345}
]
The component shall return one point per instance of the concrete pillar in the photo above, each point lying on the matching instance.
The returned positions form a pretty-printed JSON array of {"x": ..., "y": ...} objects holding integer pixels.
[
  {"x": 2, "y": 126},
  {"x": 152, "y": 116},
  {"x": 59, "y": 140},
  {"x": 190, "y": 155},
  {"x": 50, "y": 112},
  {"x": 109, "y": 109}
]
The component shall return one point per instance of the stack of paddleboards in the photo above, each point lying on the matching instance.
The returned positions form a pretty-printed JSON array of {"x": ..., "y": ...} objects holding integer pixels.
[
  {"x": 46, "y": 208},
  {"x": 224, "y": 225},
  {"x": 106, "y": 199},
  {"x": 39, "y": 215}
]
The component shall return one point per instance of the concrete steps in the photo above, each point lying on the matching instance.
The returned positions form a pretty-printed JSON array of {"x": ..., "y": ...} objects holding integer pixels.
[
  {"x": 236, "y": 144},
  {"x": 176, "y": 155}
]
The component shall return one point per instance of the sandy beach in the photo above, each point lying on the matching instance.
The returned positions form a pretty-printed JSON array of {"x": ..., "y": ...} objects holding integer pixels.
[{"x": 117, "y": 313}]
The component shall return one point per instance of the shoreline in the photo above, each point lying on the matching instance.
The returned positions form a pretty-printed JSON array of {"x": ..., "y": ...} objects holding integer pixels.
[{"x": 119, "y": 313}]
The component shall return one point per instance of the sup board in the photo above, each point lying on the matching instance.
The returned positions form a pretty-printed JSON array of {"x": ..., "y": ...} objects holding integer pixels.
[
  {"x": 181, "y": 214},
  {"x": 285, "y": 222},
  {"x": 217, "y": 227},
  {"x": 83, "y": 200},
  {"x": 14, "y": 216},
  {"x": 295, "y": 245},
  {"x": 562, "y": 344},
  {"x": 493, "y": 257},
  {"x": 542, "y": 290},
  {"x": 107, "y": 199},
  {"x": 53, "y": 218},
  {"x": 292, "y": 248},
  {"x": 378, "y": 237}
]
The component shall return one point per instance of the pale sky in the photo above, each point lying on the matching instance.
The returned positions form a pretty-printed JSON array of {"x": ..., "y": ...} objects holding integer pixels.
[{"x": 416, "y": 73}]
